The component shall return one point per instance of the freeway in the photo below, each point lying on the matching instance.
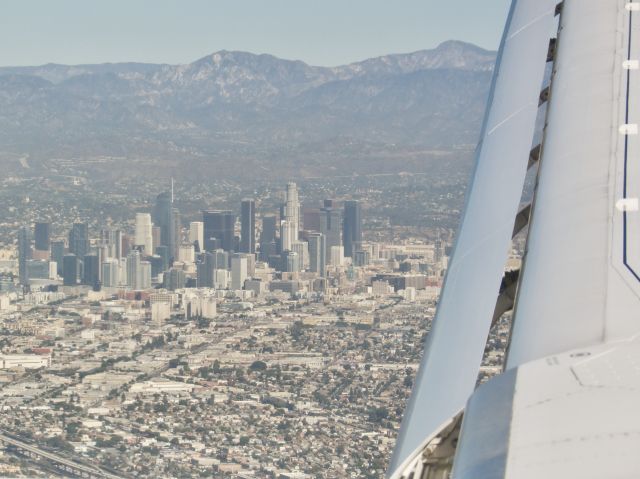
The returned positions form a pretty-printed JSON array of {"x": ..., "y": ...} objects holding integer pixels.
[{"x": 77, "y": 468}]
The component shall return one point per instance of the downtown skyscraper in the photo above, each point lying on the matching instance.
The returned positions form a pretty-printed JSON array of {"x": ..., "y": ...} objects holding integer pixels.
[
  {"x": 42, "y": 236},
  {"x": 79, "y": 240},
  {"x": 248, "y": 226},
  {"x": 330, "y": 225},
  {"x": 143, "y": 232},
  {"x": 351, "y": 227},
  {"x": 167, "y": 218},
  {"x": 290, "y": 225},
  {"x": 24, "y": 254},
  {"x": 219, "y": 227},
  {"x": 268, "y": 237},
  {"x": 317, "y": 253}
]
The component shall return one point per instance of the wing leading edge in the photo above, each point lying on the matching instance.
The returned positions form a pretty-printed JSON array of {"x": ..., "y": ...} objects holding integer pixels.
[{"x": 454, "y": 349}]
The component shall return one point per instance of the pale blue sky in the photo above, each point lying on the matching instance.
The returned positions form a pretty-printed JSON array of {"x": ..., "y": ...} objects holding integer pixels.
[{"x": 319, "y": 32}]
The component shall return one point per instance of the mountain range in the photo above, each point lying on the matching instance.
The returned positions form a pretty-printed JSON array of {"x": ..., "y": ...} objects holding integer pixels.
[{"x": 237, "y": 113}]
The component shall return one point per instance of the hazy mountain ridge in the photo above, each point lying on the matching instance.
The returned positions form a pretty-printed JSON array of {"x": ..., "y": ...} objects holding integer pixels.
[{"x": 239, "y": 103}]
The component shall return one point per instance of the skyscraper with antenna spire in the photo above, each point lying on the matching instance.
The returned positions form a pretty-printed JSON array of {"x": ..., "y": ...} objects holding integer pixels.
[{"x": 167, "y": 218}]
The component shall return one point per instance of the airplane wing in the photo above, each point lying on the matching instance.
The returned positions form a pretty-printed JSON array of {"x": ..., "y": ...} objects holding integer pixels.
[
  {"x": 565, "y": 406},
  {"x": 452, "y": 357}
]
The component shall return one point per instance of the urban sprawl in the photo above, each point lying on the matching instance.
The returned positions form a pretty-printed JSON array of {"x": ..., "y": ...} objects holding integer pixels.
[{"x": 283, "y": 345}]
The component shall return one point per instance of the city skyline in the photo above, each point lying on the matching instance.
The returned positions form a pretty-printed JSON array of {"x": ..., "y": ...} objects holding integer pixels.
[
  {"x": 144, "y": 256},
  {"x": 210, "y": 329}
]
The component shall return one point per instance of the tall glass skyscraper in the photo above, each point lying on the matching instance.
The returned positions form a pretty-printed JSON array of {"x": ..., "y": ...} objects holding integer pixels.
[
  {"x": 219, "y": 229},
  {"x": 330, "y": 225},
  {"x": 163, "y": 218},
  {"x": 42, "y": 236},
  {"x": 79, "y": 239},
  {"x": 24, "y": 254},
  {"x": 72, "y": 269},
  {"x": 352, "y": 227},
  {"x": 57, "y": 254},
  {"x": 248, "y": 226},
  {"x": 317, "y": 253}
]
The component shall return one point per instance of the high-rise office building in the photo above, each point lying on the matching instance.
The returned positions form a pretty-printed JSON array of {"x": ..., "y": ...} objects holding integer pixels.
[
  {"x": 210, "y": 266},
  {"x": 120, "y": 251},
  {"x": 361, "y": 258},
  {"x": 286, "y": 235},
  {"x": 71, "y": 270},
  {"x": 337, "y": 256},
  {"x": 291, "y": 214},
  {"x": 219, "y": 228},
  {"x": 206, "y": 270},
  {"x": 24, "y": 254},
  {"x": 163, "y": 252},
  {"x": 138, "y": 271},
  {"x": 268, "y": 237},
  {"x": 106, "y": 244},
  {"x": 302, "y": 248},
  {"x": 352, "y": 227},
  {"x": 175, "y": 279},
  {"x": 221, "y": 279},
  {"x": 248, "y": 226},
  {"x": 145, "y": 275},
  {"x": 42, "y": 236},
  {"x": 176, "y": 225},
  {"x": 57, "y": 254},
  {"x": 108, "y": 236},
  {"x": 222, "y": 259},
  {"x": 269, "y": 228},
  {"x": 91, "y": 272},
  {"x": 168, "y": 219},
  {"x": 317, "y": 254},
  {"x": 186, "y": 253},
  {"x": 134, "y": 270},
  {"x": 196, "y": 234},
  {"x": 110, "y": 273},
  {"x": 79, "y": 240},
  {"x": 330, "y": 225},
  {"x": 157, "y": 265},
  {"x": 311, "y": 219},
  {"x": 239, "y": 270},
  {"x": 290, "y": 261},
  {"x": 144, "y": 232},
  {"x": 162, "y": 215},
  {"x": 156, "y": 236},
  {"x": 123, "y": 270}
]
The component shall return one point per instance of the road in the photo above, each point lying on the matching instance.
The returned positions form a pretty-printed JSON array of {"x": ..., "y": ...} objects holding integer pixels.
[{"x": 77, "y": 468}]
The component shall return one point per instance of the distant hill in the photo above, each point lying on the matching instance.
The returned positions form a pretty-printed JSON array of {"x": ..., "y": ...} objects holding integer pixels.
[{"x": 233, "y": 113}]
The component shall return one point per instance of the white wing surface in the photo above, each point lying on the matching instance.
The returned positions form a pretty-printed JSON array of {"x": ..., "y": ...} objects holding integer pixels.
[
  {"x": 454, "y": 349},
  {"x": 566, "y": 407},
  {"x": 580, "y": 284}
]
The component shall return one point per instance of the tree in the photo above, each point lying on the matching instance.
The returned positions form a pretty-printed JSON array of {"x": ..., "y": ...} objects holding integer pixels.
[
  {"x": 258, "y": 366},
  {"x": 296, "y": 330},
  {"x": 72, "y": 428},
  {"x": 216, "y": 366},
  {"x": 378, "y": 414}
]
